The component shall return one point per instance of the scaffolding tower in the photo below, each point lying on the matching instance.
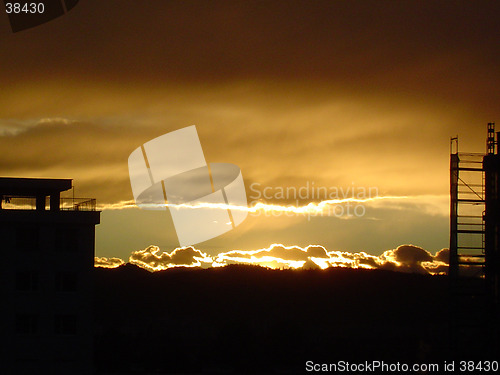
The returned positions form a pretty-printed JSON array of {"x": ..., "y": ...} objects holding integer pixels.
[
  {"x": 467, "y": 234},
  {"x": 474, "y": 248}
]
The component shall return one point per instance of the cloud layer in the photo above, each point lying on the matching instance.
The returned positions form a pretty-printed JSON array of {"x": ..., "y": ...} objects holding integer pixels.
[{"x": 405, "y": 258}]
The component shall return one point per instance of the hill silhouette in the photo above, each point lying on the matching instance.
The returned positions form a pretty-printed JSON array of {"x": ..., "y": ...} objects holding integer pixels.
[{"x": 249, "y": 319}]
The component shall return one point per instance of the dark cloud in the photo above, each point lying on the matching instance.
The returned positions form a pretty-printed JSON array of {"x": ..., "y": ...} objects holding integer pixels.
[
  {"x": 371, "y": 262},
  {"x": 409, "y": 254},
  {"x": 409, "y": 258},
  {"x": 443, "y": 255},
  {"x": 92, "y": 154},
  {"x": 443, "y": 48}
]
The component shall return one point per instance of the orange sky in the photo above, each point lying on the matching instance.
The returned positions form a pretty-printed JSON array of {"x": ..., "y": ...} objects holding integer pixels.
[{"x": 293, "y": 92}]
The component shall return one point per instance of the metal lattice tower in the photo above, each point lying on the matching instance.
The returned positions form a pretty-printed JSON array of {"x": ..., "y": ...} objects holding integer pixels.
[
  {"x": 474, "y": 248},
  {"x": 467, "y": 235}
]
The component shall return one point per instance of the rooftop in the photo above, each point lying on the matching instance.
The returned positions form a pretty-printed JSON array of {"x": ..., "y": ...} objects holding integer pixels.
[
  {"x": 40, "y": 194},
  {"x": 16, "y": 186}
]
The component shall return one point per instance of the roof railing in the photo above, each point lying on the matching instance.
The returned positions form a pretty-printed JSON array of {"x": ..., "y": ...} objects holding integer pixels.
[{"x": 66, "y": 204}]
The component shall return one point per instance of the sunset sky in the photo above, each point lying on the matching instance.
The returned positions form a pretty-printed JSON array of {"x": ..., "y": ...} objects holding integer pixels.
[{"x": 357, "y": 94}]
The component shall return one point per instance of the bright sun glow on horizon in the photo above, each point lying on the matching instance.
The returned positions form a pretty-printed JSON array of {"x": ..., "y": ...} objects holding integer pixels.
[{"x": 405, "y": 258}]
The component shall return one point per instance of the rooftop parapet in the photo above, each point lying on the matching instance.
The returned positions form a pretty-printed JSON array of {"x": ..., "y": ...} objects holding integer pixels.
[{"x": 40, "y": 194}]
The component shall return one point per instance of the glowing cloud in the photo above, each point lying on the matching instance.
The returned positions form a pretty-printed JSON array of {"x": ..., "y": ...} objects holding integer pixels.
[
  {"x": 310, "y": 208},
  {"x": 405, "y": 258},
  {"x": 153, "y": 259},
  {"x": 107, "y": 262}
]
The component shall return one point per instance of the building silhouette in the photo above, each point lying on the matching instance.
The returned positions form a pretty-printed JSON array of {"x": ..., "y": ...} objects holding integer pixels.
[{"x": 48, "y": 258}]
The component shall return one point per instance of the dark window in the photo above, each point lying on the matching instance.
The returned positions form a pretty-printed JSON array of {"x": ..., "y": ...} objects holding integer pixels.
[
  {"x": 67, "y": 239},
  {"x": 66, "y": 282},
  {"x": 27, "y": 238},
  {"x": 65, "y": 324},
  {"x": 27, "y": 281},
  {"x": 26, "y": 324}
]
